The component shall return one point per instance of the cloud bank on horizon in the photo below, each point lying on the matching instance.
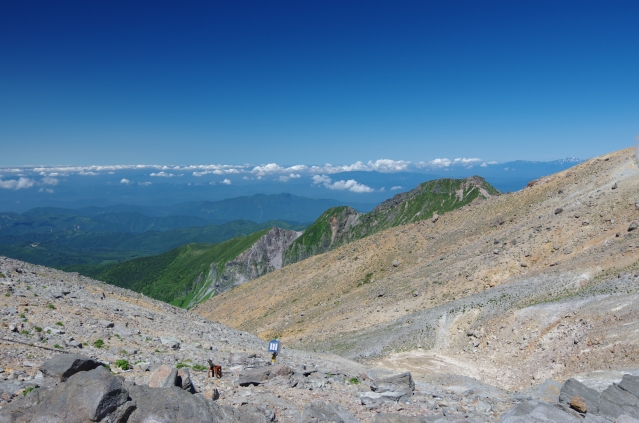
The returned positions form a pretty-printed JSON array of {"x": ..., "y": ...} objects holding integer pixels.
[{"x": 24, "y": 177}]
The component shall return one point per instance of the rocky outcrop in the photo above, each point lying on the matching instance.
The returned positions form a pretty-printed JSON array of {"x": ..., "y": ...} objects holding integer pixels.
[
  {"x": 262, "y": 257},
  {"x": 97, "y": 395},
  {"x": 327, "y": 232},
  {"x": 577, "y": 402},
  {"x": 265, "y": 255}
]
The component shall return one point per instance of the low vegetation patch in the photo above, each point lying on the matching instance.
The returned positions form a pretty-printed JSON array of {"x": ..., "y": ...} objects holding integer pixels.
[{"x": 123, "y": 364}]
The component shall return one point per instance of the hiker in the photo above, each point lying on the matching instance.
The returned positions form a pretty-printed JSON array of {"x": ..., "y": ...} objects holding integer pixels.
[{"x": 215, "y": 370}]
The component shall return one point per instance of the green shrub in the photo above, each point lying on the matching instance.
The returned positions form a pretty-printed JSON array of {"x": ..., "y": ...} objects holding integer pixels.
[
  {"x": 199, "y": 367},
  {"x": 59, "y": 323},
  {"x": 98, "y": 343},
  {"x": 38, "y": 329},
  {"x": 123, "y": 364},
  {"x": 22, "y": 316},
  {"x": 180, "y": 365},
  {"x": 353, "y": 381},
  {"x": 27, "y": 390},
  {"x": 25, "y": 332},
  {"x": 57, "y": 346},
  {"x": 51, "y": 306}
]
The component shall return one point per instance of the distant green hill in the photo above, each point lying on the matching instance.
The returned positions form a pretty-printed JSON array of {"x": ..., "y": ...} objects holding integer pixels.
[{"x": 340, "y": 225}]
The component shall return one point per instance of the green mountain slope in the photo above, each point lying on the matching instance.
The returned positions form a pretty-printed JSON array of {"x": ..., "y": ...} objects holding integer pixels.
[
  {"x": 340, "y": 225},
  {"x": 192, "y": 273},
  {"x": 174, "y": 276}
]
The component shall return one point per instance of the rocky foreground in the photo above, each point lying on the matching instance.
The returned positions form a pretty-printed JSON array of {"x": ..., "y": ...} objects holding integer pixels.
[{"x": 76, "y": 350}]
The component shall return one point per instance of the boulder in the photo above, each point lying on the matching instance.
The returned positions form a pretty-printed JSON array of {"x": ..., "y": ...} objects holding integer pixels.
[
  {"x": 537, "y": 411},
  {"x": 402, "y": 382},
  {"x": 63, "y": 366},
  {"x": 573, "y": 388},
  {"x": 211, "y": 393},
  {"x": 85, "y": 396},
  {"x": 173, "y": 405},
  {"x": 260, "y": 375},
  {"x": 632, "y": 226},
  {"x": 615, "y": 401},
  {"x": 376, "y": 398},
  {"x": 183, "y": 380},
  {"x": 630, "y": 384},
  {"x": 578, "y": 404},
  {"x": 163, "y": 377},
  {"x": 319, "y": 411}
]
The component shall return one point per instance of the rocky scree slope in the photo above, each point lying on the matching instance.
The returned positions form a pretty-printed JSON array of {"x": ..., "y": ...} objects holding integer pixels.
[
  {"x": 341, "y": 225},
  {"x": 58, "y": 329},
  {"x": 511, "y": 290},
  {"x": 192, "y": 273}
]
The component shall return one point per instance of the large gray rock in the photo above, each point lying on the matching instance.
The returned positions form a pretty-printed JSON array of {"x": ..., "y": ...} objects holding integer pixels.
[
  {"x": 173, "y": 404},
  {"x": 85, "y": 396},
  {"x": 615, "y": 401},
  {"x": 63, "y": 366},
  {"x": 573, "y": 388},
  {"x": 260, "y": 375},
  {"x": 630, "y": 384},
  {"x": 535, "y": 412},
  {"x": 163, "y": 377},
  {"x": 320, "y": 412},
  {"x": 183, "y": 380},
  {"x": 396, "y": 383},
  {"x": 376, "y": 398}
]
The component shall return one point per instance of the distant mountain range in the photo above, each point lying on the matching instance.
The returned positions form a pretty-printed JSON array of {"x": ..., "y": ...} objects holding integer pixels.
[{"x": 139, "y": 218}]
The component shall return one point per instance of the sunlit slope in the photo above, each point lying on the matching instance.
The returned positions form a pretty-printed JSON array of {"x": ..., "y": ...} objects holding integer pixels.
[{"x": 354, "y": 301}]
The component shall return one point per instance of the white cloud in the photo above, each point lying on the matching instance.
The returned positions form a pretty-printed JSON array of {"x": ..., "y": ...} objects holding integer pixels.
[
  {"x": 440, "y": 162},
  {"x": 386, "y": 165},
  {"x": 350, "y": 185},
  {"x": 21, "y": 183},
  {"x": 48, "y": 190},
  {"x": 396, "y": 187},
  {"x": 162, "y": 175},
  {"x": 144, "y": 184},
  {"x": 291, "y": 176},
  {"x": 125, "y": 181},
  {"x": 48, "y": 180},
  {"x": 226, "y": 181}
]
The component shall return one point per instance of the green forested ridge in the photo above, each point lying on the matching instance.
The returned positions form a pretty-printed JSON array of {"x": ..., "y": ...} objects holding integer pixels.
[
  {"x": 174, "y": 276},
  {"x": 438, "y": 196}
]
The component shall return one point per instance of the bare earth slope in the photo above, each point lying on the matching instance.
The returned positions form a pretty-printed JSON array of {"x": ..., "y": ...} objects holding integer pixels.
[{"x": 534, "y": 284}]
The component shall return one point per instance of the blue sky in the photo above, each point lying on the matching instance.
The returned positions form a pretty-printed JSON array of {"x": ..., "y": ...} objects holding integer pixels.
[{"x": 111, "y": 82}]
